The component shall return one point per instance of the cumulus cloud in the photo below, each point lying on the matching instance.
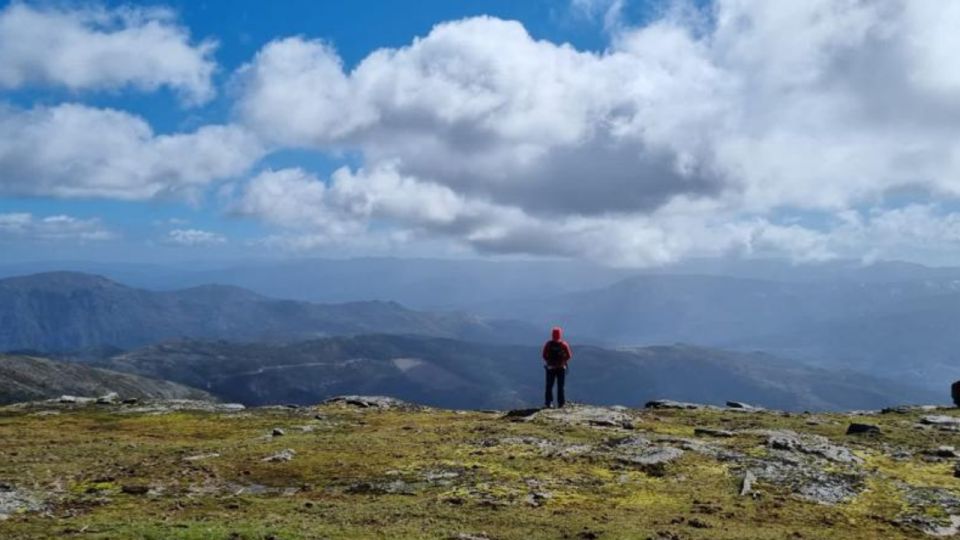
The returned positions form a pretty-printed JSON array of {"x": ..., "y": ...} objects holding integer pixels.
[
  {"x": 87, "y": 48},
  {"x": 77, "y": 151},
  {"x": 24, "y": 225},
  {"x": 695, "y": 133},
  {"x": 194, "y": 238}
]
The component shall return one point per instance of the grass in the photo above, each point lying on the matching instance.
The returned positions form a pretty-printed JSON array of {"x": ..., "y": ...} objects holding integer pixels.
[{"x": 80, "y": 460}]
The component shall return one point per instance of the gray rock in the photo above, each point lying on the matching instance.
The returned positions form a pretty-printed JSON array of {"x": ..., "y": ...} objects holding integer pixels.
[
  {"x": 739, "y": 405},
  {"x": 174, "y": 405},
  {"x": 521, "y": 414},
  {"x": 746, "y": 485},
  {"x": 281, "y": 456},
  {"x": 940, "y": 420},
  {"x": 811, "y": 444},
  {"x": 14, "y": 501},
  {"x": 201, "y": 457},
  {"x": 649, "y": 457},
  {"x": 395, "y": 487},
  {"x": 372, "y": 402},
  {"x": 711, "y": 432},
  {"x": 671, "y": 404},
  {"x": 862, "y": 429},
  {"x": 588, "y": 416},
  {"x": 110, "y": 398},
  {"x": 944, "y": 452}
]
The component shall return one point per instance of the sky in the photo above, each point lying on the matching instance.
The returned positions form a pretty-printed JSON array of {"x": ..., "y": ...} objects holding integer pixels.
[{"x": 632, "y": 133}]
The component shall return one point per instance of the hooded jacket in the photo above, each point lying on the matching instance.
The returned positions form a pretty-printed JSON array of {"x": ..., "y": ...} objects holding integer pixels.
[{"x": 556, "y": 351}]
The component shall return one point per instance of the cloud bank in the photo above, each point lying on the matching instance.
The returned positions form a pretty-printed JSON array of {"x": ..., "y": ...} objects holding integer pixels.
[
  {"x": 88, "y": 48},
  {"x": 73, "y": 150},
  {"x": 696, "y": 134}
]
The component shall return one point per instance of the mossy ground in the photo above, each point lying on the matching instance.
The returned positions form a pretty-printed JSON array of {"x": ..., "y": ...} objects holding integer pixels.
[{"x": 364, "y": 473}]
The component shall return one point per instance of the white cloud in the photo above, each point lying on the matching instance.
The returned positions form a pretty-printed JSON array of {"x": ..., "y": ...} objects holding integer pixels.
[
  {"x": 84, "y": 48},
  {"x": 695, "y": 133},
  {"x": 23, "y": 225},
  {"x": 77, "y": 151},
  {"x": 194, "y": 238}
]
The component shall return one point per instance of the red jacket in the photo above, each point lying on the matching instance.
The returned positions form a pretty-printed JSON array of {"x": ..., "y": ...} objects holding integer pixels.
[{"x": 566, "y": 353}]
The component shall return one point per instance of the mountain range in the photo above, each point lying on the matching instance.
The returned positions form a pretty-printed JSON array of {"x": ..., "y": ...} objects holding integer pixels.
[
  {"x": 457, "y": 374},
  {"x": 66, "y": 311}
]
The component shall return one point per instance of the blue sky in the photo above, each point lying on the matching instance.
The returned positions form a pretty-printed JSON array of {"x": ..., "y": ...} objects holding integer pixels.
[{"x": 625, "y": 132}]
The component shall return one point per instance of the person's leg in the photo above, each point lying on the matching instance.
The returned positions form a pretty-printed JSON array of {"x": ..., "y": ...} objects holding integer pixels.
[
  {"x": 548, "y": 394},
  {"x": 561, "y": 377}
]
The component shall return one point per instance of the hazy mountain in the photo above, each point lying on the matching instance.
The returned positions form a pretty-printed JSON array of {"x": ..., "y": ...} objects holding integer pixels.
[
  {"x": 915, "y": 342},
  {"x": 421, "y": 283},
  {"x": 457, "y": 374},
  {"x": 713, "y": 310},
  {"x": 66, "y": 311},
  {"x": 26, "y": 378}
]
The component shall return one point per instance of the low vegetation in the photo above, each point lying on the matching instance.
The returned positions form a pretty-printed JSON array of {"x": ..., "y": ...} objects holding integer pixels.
[{"x": 382, "y": 469}]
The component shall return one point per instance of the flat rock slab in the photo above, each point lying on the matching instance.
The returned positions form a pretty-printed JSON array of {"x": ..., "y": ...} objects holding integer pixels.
[
  {"x": 671, "y": 404},
  {"x": 176, "y": 405},
  {"x": 588, "y": 416},
  {"x": 817, "y": 445},
  {"x": 372, "y": 402},
  {"x": 652, "y": 458},
  {"x": 940, "y": 420}
]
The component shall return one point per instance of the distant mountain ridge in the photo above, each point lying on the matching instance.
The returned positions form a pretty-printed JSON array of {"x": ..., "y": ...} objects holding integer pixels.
[
  {"x": 450, "y": 373},
  {"x": 63, "y": 311},
  {"x": 26, "y": 378}
]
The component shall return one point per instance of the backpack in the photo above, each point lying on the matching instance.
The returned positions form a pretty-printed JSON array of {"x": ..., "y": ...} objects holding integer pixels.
[{"x": 556, "y": 353}]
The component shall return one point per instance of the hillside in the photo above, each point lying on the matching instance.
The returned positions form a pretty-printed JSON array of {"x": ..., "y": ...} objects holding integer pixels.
[
  {"x": 24, "y": 378},
  {"x": 65, "y": 311},
  {"x": 452, "y": 373},
  {"x": 377, "y": 468}
]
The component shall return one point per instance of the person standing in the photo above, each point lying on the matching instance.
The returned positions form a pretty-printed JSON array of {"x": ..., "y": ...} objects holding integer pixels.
[{"x": 556, "y": 356}]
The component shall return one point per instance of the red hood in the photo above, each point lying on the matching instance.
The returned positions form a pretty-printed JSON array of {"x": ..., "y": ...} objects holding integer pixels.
[{"x": 557, "y": 333}]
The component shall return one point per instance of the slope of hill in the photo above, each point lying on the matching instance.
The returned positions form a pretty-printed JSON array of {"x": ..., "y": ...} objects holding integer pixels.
[
  {"x": 390, "y": 470},
  {"x": 453, "y": 373},
  {"x": 25, "y": 378},
  {"x": 64, "y": 311}
]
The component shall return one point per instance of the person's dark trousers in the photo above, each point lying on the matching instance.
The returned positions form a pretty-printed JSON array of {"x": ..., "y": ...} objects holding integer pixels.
[{"x": 559, "y": 375}]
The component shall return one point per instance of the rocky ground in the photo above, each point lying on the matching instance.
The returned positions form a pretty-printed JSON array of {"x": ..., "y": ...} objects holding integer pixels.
[{"x": 360, "y": 467}]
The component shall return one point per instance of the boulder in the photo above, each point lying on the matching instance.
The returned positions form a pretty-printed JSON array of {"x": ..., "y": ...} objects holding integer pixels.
[
  {"x": 940, "y": 420},
  {"x": 746, "y": 485},
  {"x": 281, "y": 456},
  {"x": 711, "y": 432},
  {"x": 862, "y": 429},
  {"x": 739, "y": 405},
  {"x": 671, "y": 404},
  {"x": 110, "y": 398}
]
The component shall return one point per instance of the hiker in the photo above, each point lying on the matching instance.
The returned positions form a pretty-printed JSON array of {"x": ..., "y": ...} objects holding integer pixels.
[{"x": 556, "y": 356}]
